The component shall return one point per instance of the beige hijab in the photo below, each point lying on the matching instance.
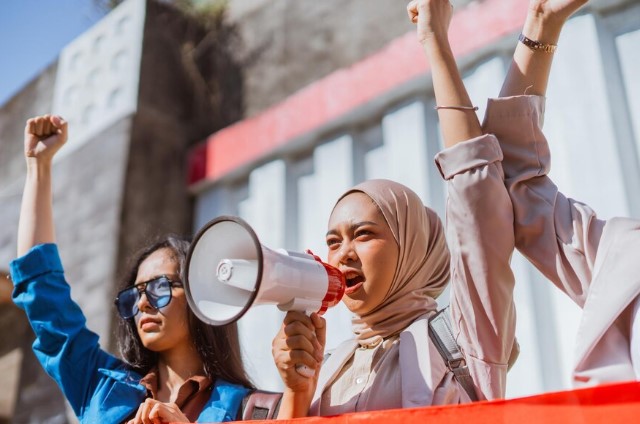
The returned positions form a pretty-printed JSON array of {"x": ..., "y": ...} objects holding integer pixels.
[
  {"x": 422, "y": 272},
  {"x": 421, "y": 275}
]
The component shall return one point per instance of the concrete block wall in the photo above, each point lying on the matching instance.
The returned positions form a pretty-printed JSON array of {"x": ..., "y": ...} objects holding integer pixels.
[
  {"x": 35, "y": 99},
  {"x": 122, "y": 180},
  {"x": 87, "y": 190},
  {"x": 293, "y": 43}
]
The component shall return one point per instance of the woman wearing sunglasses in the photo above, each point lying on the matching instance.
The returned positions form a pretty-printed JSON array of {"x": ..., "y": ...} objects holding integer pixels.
[{"x": 174, "y": 368}]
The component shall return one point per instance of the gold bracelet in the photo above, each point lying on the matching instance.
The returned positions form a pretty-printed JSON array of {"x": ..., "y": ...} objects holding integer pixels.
[
  {"x": 536, "y": 45},
  {"x": 457, "y": 107}
]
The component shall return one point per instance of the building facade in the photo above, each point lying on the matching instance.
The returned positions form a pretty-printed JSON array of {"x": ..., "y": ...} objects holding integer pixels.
[
  {"x": 304, "y": 99},
  {"x": 283, "y": 167},
  {"x": 136, "y": 97}
]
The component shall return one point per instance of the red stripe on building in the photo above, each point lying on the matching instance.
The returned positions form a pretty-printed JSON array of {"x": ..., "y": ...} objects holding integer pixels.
[{"x": 472, "y": 28}]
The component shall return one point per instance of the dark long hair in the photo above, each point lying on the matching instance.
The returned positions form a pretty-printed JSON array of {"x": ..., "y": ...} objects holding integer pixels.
[{"x": 218, "y": 347}]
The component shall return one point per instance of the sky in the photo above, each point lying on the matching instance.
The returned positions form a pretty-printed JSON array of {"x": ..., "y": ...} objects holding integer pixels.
[{"x": 32, "y": 34}]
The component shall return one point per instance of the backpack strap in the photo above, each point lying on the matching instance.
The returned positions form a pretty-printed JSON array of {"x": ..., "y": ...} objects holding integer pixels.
[
  {"x": 441, "y": 335},
  {"x": 260, "y": 405}
]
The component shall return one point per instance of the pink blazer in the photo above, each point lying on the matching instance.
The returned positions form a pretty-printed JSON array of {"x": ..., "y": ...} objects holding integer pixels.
[
  {"x": 595, "y": 262},
  {"x": 479, "y": 224}
]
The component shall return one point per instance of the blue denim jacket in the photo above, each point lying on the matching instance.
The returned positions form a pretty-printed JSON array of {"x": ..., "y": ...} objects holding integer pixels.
[{"x": 99, "y": 387}]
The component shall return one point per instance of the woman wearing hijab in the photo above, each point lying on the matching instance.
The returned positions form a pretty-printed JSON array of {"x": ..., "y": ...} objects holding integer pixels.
[{"x": 393, "y": 253}]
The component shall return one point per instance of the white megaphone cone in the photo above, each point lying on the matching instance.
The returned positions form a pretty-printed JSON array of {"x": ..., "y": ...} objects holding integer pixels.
[{"x": 228, "y": 271}]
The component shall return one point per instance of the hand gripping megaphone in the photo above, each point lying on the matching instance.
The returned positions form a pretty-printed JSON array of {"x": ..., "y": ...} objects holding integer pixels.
[{"x": 228, "y": 271}]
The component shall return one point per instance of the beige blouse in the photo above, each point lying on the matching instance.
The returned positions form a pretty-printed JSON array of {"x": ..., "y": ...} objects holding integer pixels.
[{"x": 359, "y": 381}]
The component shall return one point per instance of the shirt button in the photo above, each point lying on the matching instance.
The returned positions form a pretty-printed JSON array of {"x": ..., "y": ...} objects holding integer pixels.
[{"x": 359, "y": 380}]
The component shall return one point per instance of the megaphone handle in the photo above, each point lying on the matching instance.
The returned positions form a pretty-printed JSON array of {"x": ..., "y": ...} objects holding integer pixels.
[{"x": 305, "y": 371}]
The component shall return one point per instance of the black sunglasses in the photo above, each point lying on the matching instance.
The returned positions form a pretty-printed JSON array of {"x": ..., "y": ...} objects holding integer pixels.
[{"x": 158, "y": 293}]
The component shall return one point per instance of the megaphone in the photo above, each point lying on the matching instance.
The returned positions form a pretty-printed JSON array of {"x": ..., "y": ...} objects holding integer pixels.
[{"x": 228, "y": 271}]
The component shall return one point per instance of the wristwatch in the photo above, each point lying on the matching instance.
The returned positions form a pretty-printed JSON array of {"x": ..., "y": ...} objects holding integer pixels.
[{"x": 537, "y": 45}]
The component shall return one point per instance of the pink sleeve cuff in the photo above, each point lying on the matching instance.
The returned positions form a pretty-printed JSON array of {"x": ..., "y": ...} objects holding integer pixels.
[{"x": 468, "y": 155}]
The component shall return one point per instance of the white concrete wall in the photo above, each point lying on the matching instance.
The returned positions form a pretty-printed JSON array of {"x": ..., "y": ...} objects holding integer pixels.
[
  {"x": 578, "y": 124},
  {"x": 264, "y": 211},
  {"x": 404, "y": 152},
  {"x": 630, "y": 62},
  {"x": 98, "y": 74},
  {"x": 484, "y": 82},
  {"x": 332, "y": 175},
  {"x": 586, "y": 166}
]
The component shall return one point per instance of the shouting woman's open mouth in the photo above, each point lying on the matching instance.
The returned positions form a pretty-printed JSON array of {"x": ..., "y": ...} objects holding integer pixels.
[{"x": 354, "y": 281}]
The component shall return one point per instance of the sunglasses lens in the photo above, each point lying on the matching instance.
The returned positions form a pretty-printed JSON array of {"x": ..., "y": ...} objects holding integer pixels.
[
  {"x": 159, "y": 292},
  {"x": 127, "y": 302}
]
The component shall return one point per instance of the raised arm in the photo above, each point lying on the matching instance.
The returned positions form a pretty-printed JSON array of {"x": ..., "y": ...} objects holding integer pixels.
[
  {"x": 558, "y": 235},
  {"x": 479, "y": 214},
  {"x": 43, "y": 137},
  {"x": 63, "y": 344},
  {"x": 530, "y": 67},
  {"x": 456, "y": 113}
]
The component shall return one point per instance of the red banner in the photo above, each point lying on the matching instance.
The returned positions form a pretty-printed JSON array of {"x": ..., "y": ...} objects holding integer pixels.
[{"x": 616, "y": 403}]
